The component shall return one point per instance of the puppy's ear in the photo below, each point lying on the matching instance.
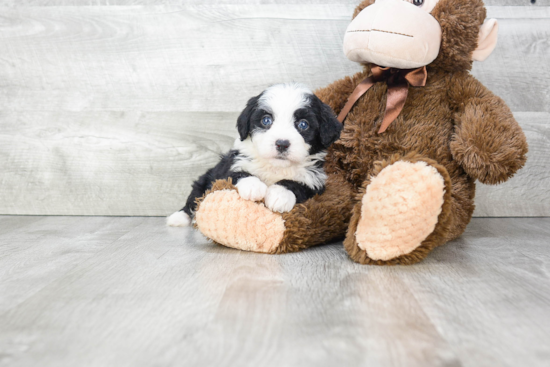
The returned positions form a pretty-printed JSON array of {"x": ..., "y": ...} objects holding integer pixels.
[
  {"x": 243, "y": 122},
  {"x": 329, "y": 126}
]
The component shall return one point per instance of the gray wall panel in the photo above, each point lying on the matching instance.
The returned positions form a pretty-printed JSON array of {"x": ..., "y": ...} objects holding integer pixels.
[{"x": 115, "y": 109}]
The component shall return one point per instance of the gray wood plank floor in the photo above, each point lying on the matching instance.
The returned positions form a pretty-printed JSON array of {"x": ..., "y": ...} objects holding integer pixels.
[{"x": 118, "y": 291}]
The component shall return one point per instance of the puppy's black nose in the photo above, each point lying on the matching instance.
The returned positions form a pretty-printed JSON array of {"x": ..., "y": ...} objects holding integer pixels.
[{"x": 282, "y": 145}]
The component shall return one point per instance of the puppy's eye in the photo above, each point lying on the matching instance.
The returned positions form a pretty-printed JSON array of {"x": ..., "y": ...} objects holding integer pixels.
[
  {"x": 303, "y": 125},
  {"x": 267, "y": 120},
  {"x": 418, "y": 2}
]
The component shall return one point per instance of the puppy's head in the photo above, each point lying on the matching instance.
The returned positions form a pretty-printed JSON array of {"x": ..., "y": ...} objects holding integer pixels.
[{"x": 287, "y": 123}]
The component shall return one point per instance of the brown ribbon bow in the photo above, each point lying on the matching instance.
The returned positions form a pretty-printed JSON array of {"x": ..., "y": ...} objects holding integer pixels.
[{"x": 398, "y": 81}]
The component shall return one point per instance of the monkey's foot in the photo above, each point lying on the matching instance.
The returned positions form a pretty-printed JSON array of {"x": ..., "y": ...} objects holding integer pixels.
[
  {"x": 398, "y": 211},
  {"x": 232, "y": 221}
]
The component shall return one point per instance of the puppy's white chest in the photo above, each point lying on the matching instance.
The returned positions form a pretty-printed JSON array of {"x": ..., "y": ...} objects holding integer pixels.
[{"x": 271, "y": 175}]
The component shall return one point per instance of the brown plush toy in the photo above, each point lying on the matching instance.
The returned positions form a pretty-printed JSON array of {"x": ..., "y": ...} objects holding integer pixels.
[{"x": 401, "y": 177}]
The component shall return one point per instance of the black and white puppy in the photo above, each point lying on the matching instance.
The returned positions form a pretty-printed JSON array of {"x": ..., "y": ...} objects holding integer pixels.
[{"x": 284, "y": 133}]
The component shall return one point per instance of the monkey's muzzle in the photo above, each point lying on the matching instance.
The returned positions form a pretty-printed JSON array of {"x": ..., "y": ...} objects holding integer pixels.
[{"x": 393, "y": 33}]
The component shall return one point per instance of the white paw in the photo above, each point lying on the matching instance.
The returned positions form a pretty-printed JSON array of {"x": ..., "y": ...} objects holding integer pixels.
[
  {"x": 251, "y": 188},
  {"x": 279, "y": 199},
  {"x": 178, "y": 219}
]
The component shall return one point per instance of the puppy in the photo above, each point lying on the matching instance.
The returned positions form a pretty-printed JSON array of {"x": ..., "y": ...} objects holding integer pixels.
[{"x": 284, "y": 133}]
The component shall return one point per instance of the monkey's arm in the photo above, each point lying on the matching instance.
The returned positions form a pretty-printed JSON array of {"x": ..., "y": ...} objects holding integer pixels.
[{"x": 488, "y": 142}]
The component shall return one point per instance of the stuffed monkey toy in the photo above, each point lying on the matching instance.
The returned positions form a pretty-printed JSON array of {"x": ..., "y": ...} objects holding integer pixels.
[{"x": 419, "y": 130}]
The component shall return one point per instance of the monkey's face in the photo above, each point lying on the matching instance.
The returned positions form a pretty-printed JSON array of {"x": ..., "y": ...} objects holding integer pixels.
[
  {"x": 394, "y": 33},
  {"x": 405, "y": 34}
]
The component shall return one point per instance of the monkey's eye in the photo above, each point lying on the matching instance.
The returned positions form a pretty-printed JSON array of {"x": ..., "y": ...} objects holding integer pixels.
[
  {"x": 303, "y": 125},
  {"x": 267, "y": 120},
  {"x": 418, "y": 2}
]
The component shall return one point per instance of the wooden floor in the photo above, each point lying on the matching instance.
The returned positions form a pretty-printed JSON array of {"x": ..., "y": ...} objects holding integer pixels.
[{"x": 118, "y": 291}]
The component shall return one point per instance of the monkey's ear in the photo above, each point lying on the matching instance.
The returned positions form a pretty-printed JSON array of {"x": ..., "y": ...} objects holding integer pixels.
[
  {"x": 487, "y": 40},
  {"x": 243, "y": 122}
]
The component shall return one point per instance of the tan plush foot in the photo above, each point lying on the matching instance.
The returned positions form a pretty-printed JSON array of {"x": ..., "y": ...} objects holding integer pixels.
[
  {"x": 399, "y": 209},
  {"x": 230, "y": 220}
]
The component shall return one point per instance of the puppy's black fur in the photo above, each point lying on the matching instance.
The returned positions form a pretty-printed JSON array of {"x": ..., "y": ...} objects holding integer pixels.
[
  {"x": 220, "y": 171},
  {"x": 323, "y": 130}
]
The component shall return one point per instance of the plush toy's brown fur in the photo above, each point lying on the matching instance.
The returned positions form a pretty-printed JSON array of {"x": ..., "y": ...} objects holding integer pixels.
[{"x": 454, "y": 124}]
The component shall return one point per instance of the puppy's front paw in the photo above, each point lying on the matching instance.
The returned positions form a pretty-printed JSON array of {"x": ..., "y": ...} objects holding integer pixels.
[
  {"x": 279, "y": 199},
  {"x": 251, "y": 188}
]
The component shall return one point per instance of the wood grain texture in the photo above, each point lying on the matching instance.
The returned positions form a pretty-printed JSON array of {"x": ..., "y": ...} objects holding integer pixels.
[
  {"x": 111, "y": 163},
  {"x": 121, "y": 58},
  {"x": 96, "y": 291},
  {"x": 53, "y": 252},
  {"x": 23, "y": 3},
  {"x": 114, "y": 108},
  {"x": 164, "y": 58}
]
